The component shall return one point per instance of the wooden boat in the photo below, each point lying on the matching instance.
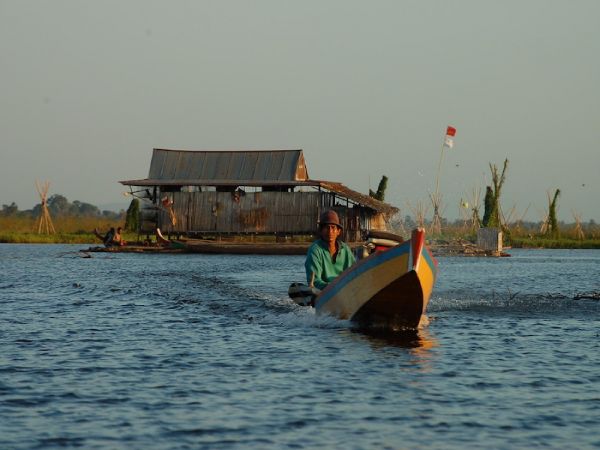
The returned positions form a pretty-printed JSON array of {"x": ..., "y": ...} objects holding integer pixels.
[
  {"x": 244, "y": 248},
  {"x": 389, "y": 288}
]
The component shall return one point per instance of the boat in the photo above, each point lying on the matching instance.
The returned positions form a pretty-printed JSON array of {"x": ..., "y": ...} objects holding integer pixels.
[{"x": 389, "y": 288}]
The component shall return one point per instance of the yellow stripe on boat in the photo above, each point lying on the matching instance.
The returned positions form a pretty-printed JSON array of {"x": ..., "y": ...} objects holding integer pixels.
[{"x": 347, "y": 300}]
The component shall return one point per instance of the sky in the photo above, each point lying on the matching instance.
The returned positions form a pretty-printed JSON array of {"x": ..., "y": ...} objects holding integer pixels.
[{"x": 88, "y": 89}]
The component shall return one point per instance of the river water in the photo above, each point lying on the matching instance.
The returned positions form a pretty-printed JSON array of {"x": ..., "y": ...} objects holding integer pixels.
[{"x": 130, "y": 351}]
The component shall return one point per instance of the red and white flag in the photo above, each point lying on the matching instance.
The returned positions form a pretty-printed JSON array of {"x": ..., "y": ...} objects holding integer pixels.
[{"x": 449, "y": 139}]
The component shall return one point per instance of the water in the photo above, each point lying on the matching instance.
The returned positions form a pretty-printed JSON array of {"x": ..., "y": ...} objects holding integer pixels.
[{"x": 129, "y": 351}]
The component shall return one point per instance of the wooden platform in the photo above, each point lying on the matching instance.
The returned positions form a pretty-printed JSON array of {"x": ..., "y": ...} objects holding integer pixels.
[
  {"x": 133, "y": 249},
  {"x": 246, "y": 248},
  {"x": 210, "y": 247}
]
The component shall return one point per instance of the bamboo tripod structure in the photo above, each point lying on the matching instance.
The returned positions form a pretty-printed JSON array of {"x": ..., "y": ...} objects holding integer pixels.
[
  {"x": 45, "y": 221},
  {"x": 419, "y": 211},
  {"x": 578, "y": 231},
  {"x": 475, "y": 220}
]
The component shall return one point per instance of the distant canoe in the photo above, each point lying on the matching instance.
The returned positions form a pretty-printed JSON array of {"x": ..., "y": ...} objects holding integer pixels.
[{"x": 389, "y": 288}]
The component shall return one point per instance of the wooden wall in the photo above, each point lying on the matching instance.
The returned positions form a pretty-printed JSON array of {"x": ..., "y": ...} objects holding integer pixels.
[
  {"x": 264, "y": 212},
  {"x": 252, "y": 212}
]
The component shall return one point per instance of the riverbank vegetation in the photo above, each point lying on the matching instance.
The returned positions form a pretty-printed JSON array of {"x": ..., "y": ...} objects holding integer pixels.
[
  {"x": 545, "y": 242},
  {"x": 520, "y": 234},
  {"x": 75, "y": 224},
  {"x": 79, "y": 230},
  {"x": 548, "y": 233},
  {"x": 69, "y": 230}
]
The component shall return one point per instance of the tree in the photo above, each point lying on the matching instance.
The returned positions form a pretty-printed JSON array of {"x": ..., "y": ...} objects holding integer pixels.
[
  {"x": 59, "y": 205},
  {"x": 10, "y": 210},
  {"x": 132, "y": 217},
  {"x": 84, "y": 209},
  {"x": 488, "y": 204},
  {"x": 380, "y": 194},
  {"x": 491, "y": 216},
  {"x": 553, "y": 230}
]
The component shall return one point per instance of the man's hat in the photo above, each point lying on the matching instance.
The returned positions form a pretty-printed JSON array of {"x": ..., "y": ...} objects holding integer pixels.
[{"x": 329, "y": 217}]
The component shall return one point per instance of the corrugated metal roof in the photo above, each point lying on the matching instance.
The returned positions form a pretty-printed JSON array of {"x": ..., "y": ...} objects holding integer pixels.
[
  {"x": 254, "y": 165},
  {"x": 359, "y": 198},
  {"x": 201, "y": 182},
  {"x": 243, "y": 168}
]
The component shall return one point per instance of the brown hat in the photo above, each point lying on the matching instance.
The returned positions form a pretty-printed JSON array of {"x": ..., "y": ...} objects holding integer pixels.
[{"x": 329, "y": 217}]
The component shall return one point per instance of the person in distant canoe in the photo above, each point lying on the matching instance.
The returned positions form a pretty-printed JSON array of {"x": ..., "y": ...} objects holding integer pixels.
[
  {"x": 108, "y": 237},
  {"x": 328, "y": 256},
  {"x": 111, "y": 238},
  {"x": 118, "y": 238}
]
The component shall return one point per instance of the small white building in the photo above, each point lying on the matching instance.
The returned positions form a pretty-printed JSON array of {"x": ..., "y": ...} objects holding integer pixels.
[{"x": 490, "y": 239}]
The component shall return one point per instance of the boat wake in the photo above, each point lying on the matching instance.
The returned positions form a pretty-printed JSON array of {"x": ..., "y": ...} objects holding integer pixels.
[
  {"x": 551, "y": 304},
  {"x": 302, "y": 317}
]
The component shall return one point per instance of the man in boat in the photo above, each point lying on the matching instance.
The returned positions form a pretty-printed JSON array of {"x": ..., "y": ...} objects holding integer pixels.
[
  {"x": 111, "y": 238},
  {"x": 118, "y": 238},
  {"x": 108, "y": 237},
  {"x": 328, "y": 256}
]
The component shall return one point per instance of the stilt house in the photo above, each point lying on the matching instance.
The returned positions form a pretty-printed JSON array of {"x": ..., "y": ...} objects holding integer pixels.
[{"x": 198, "y": 193}]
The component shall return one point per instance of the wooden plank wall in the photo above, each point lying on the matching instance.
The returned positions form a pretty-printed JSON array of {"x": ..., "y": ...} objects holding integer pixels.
[{"x": 252, "y": 212}]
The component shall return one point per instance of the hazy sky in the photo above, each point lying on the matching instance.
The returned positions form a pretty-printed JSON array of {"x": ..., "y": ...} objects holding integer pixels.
[{"x": 89, "y": 88}]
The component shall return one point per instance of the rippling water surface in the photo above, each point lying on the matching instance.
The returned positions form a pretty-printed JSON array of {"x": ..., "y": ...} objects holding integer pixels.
[{"x": 205, "y": 351}]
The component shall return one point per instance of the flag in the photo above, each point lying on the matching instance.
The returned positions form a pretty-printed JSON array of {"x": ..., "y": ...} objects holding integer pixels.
[{"x": 449, "y": 139}]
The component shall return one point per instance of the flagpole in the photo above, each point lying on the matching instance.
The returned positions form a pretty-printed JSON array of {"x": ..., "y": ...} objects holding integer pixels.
[
  {"x": 437, "y": 177},
  {"x": 436, "y": 224},
  {"x": 450, "y": 132}
]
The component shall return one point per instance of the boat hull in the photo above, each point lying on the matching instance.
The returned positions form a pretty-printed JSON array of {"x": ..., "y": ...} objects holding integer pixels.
[{"x": 390, "y": 288}]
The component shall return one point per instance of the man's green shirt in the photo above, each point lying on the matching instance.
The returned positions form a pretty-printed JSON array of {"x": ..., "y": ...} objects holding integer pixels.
[{"x": 319, "y": 262}]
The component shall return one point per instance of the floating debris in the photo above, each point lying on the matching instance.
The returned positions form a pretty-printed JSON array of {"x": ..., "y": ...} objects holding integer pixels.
[{"x": 460, "y": 247}]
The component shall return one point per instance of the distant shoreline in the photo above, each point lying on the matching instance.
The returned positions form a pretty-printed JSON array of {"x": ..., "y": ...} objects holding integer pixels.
[{"x": 90, "y": 239}]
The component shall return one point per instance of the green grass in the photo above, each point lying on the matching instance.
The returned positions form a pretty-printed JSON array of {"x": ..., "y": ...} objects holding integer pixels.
[
  {"x": 58, "y": 238},
  {"x": 16, "y": 237},
  {"x": 69, "y": 230},
  {"x": 541, "y": 242}
]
